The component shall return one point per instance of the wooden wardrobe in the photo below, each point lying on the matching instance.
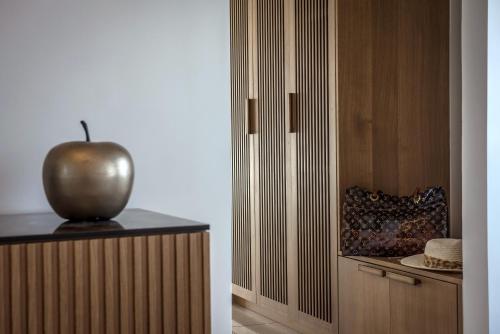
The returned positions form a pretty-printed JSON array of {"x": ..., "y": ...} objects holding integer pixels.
[
  {"x": 284, "y": 214},
  {"x": 327, "y": 94}
]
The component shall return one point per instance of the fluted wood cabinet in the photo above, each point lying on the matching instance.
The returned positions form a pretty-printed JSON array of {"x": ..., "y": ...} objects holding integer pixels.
[
  {"x": 329, "y": 94},
  {"x": 142, "y": 284}
]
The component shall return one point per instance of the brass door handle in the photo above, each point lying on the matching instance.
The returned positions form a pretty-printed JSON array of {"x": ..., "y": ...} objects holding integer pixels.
[
  {"x": 251, "y": 116},
  {"x": 403, "y": 279},
  {"x": 371, "y": 271},
  {"x": 292, "y": 112}
]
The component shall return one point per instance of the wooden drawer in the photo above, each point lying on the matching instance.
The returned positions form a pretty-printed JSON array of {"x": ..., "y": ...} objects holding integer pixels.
[{"x": 378, "y": 300}]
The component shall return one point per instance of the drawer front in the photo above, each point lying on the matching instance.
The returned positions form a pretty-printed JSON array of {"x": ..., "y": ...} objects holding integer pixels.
[{"x": 363, "y": 299}]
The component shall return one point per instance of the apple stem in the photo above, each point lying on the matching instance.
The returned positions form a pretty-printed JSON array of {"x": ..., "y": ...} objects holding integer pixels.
[{"x": 86, "y": 128}]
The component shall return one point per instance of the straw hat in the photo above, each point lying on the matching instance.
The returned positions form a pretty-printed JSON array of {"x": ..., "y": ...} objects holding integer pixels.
[{"x": 439, "y": 254}]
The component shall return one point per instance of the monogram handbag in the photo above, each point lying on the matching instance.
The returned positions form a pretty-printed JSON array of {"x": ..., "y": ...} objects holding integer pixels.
[{"x": 377, "y": 224}]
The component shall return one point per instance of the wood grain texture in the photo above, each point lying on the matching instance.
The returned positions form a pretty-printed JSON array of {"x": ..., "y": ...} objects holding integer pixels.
[
  {"x": 393, "y": 95},
  {"x": 455, "y": 196},
  {"x": 271, "y": 152},
  {"x": 394, "y": 303},
  {"x": 97, "y": 291},
  {"x": 51, "y": 291},
  {"x": 67, "y": 286},
  {"x": 313, "y": 169},
  {"x": 35, "y": 288},
  {"x": 18, "y": 294},
  {"x": 140, "y": 285},
  {"x": 5, "y": 304},
  {"x": 183, "y": 295},
  {"x": 196, "y": 282},
  {"x": 112, "y": 285},
  {"x": 153, "y": 284},
  {"x": 82, "y": 287},
  {"x": 435, "y": 302},
  {"x": 241, "y": 146},
  {"x": 126, "y": 264},
  {"x": 363, "y": 299},
  {"x": 394, "y": 263},
  {"x": 169, "y": 284},
  {"x": 207, "y": 314},
  {"x": 295, "y": 256}
]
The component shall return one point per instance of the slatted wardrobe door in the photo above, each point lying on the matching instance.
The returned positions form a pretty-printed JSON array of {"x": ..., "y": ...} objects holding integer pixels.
[
  {"x": 313, "y": 182},
  {"x": 241, "y": 142},
  {"x": 272, "y": 231}
]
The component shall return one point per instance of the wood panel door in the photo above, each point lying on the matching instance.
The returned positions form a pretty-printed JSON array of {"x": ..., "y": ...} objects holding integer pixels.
[
  {"x": 243, "y": 225},
  {"x": 363, "y": 299},
  {"x": 379, "y": 300},
  {"x": 422, "y": 306},
  {"x": 316, "y": 265},
  {"x": 270, "y": 153}
]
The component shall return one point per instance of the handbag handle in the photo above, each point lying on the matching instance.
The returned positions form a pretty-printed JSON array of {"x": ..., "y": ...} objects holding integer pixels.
[{"x": 416, "y": 196}]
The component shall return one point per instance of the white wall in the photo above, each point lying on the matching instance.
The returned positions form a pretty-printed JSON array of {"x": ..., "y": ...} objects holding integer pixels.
[
  {"x": 474, "y": 227},
  {"x": 494, "y": 163},
  {"x": 152, "y": 75}
]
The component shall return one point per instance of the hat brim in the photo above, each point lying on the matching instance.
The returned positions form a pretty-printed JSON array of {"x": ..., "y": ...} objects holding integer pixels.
[{"x": 417, "y": 261}]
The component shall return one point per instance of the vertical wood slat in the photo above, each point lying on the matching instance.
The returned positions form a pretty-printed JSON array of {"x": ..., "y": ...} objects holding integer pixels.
[
  {"x": 18, "y": 289},
  {"x": 206, "y": 284},
  {"x": 169, "y": 284},
  {"x": 182, "y": 270},
  {"x": 97, "y": 306},
  {"x": 271, "y": 158},
  {"x": 35, "y": 288},
  {"x": 5, "y": 288},
  {"x": 82, "y": 287},
  {"x": 67, "y": 286},
  {"x": 196, "y": 282},
  {"x": 50, "y": 288},
  {"x": 140, "y": 285},
  {"x": 241, "y": 143},
  {"x": 126, "y": 264},
  {"x": 313, "y": 178},
  {"x": 112, "y": 285},
  {"x": 155, "y": 284}
]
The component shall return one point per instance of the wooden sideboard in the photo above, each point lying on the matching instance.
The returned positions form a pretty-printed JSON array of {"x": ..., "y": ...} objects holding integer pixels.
[
  {"x": 380, "y": 296},
  {"x": 151, "y": 276}
]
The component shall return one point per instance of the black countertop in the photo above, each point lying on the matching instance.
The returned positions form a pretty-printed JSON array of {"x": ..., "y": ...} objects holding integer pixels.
[{"x": 40, "y": 227}]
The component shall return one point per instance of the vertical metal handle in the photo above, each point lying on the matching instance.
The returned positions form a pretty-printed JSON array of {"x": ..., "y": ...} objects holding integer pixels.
[
  {"x": 251, "y": 116},
  {"x": 292, "y": 112}
]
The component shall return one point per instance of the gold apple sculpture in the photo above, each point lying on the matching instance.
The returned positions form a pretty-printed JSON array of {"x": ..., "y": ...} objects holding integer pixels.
[{"x": 86, "y": 181}]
